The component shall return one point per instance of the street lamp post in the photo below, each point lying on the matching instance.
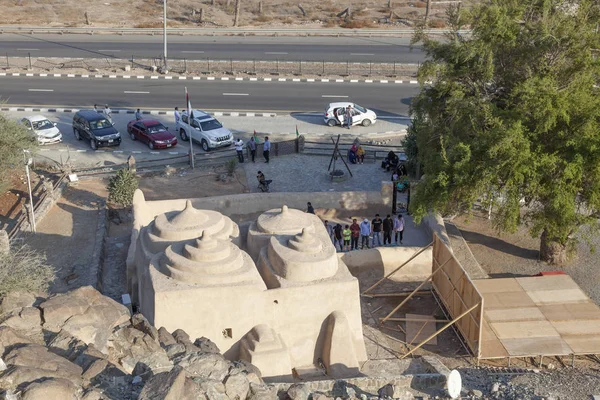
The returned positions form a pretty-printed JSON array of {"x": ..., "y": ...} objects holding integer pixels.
[
  {"x": 27, "y": 156},
  {"x": 166, "y": 68}
]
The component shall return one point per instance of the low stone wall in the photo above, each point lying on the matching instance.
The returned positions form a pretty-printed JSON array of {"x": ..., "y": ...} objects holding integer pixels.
[
  {"x": 41, "y": 209},
  {"x": 435, "y": 223},
  {"x": 250, "y": 203},
  {"x": 390, "y": 258}
]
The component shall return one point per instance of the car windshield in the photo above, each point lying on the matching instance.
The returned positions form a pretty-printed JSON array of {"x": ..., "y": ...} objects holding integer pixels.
[
  {"x": 41, "y": 125},
  {"x": 156, "y": 129},
  {"x": 360, "y": 108},
  {"x": 210, "y": 125},
  {"x": 100, "y": 124}
]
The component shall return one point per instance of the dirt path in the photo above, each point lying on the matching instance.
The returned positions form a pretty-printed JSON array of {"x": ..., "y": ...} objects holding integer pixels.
[{"x": 67, "y": 235}]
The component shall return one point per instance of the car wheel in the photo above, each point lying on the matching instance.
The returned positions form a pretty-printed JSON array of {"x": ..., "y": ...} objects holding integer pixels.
[
  {"x": 183, "y": 135},
  {"x": 366, "y": 122},
  {"x": 151, "y": 145},
  {"x": 205, "y": 145},
  {"x": 76, "y": 132},
  {"x": 331, "y": 122},
  {"x": 93, "y": 144},
  {"x": 131, "y": 135}
]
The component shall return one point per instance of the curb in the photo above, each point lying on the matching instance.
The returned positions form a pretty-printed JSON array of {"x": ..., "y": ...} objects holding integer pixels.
[
  {"x": 211, "y": 78},
  {"x": 131, "y": 112}
]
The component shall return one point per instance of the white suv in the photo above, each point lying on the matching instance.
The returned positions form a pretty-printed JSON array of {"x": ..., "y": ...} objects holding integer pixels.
[{"x": 204, "y": 129}]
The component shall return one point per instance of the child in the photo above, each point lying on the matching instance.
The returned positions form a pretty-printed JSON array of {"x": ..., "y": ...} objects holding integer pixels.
[{"x": 347, "y": 233}]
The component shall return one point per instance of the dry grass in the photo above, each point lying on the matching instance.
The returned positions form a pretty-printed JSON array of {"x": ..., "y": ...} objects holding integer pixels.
[
  {"x": 437, "y": 23},
  {"x": 148, "y": 13},
  {"x": 357, "y": 24}
]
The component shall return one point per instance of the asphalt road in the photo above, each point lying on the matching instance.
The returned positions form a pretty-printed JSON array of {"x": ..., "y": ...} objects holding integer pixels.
[
  {"x": 352, "y": 49},
  {"x": 384, "y": 98}
]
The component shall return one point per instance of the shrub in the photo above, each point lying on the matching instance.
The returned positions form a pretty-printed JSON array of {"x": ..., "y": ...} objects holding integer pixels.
[
  {"x": 14, "y": 138},
  {"x": 24, "y": 270},
  {"x": 437, "y": 23},
  {"x": 122, "y": 186},
  {"x": 231, "y": 166}
]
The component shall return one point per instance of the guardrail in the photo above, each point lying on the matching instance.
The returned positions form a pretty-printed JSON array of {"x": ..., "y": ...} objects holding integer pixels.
[
  {"x": 373, "y": 152},
  {"x": 222, "y": 31}
]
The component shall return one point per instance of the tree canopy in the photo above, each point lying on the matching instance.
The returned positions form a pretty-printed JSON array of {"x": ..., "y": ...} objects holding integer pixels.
[
  {"x": 14, "y": 138},
  {"x": 513, "y": 111}
]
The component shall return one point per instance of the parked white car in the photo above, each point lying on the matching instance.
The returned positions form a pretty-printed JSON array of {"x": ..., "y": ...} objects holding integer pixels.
[
  {"x": 204, "y": 129},
  {"x": 335, "y": 112},
  {"x": 45, "y": 131}
]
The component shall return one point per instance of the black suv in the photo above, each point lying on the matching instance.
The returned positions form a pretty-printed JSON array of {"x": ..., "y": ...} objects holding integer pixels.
[{"x": 94, "y": 126}]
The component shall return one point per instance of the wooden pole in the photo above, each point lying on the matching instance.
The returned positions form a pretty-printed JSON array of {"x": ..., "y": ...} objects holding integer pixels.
[
  {"x": 416, "y": 320},
  {"x": 236, "y": 18},
  {"x": 260, "y": 7},
  {"x": 427, "y": 10},
  {"x": 396, "y": 270},
  {"x": 400, "y": 294},
  {"x": 382, "y": 320},
  {"x": 449, "y": 324}
]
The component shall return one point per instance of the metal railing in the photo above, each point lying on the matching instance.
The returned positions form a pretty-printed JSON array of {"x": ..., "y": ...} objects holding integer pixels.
[
  {"x": 221, "y": 31},
  {"x": 210, "y": 66}
]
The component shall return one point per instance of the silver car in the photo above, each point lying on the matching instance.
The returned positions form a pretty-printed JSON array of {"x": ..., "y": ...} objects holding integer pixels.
[
  {"x": 204, "y": 129},
  {"x": 45, "y": 131}
]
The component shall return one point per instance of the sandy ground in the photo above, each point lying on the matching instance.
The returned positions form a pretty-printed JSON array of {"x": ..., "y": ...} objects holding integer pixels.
[{"x": 186, "y": 13}]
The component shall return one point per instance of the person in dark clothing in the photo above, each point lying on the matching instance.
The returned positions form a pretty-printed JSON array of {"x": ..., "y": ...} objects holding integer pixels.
[
  {"x": 252, "y": 146},
  {"x": 309, "y": 208},
  {"x": 338, "y": 236},
  {"x": 376, "y": 226},
  {"x": 355, "y": 229},
  {"x": 388, "y": 227}
]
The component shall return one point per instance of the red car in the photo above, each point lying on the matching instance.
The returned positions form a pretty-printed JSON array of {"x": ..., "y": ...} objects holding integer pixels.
[{"x": 151, "y": 132}]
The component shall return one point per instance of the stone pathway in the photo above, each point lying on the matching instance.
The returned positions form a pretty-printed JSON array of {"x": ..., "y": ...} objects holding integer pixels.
[
  {"x": 304, "y": 173},
  {"x": 114, "y": 270}
]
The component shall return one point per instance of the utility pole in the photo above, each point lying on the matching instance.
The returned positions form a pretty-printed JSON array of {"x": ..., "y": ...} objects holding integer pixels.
[
  {"x": 28, "y": 160},
  {"x": 165, "y": 65}
]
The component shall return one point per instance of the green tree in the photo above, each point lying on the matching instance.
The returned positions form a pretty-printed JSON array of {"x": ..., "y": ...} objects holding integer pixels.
[
  {"x": 513, "y": 110},
  {"x": 122, "y": 186},
  {"x": 14, "y": 138}
]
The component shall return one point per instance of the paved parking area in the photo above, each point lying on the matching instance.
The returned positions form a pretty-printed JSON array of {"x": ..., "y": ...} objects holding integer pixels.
[{"x": 279, "y": 128}]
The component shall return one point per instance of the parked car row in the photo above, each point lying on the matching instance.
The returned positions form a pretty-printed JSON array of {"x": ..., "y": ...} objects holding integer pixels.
[
  {"x": 201, "y": 127},
  {"x": 100, "y": 131}
]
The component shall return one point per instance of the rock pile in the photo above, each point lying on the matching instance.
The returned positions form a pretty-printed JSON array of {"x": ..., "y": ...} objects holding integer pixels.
[{"x": 85, "y": 346}]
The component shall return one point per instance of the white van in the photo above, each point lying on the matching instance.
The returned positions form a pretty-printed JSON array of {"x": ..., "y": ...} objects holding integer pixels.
[{"x": 335, "y": 112}]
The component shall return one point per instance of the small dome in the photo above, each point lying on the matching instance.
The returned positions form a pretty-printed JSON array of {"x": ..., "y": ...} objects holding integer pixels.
[
  {"x": 283, "y": 221},
  {"x": 306, "y": 242},
  {"x": 204, "y": 260}
]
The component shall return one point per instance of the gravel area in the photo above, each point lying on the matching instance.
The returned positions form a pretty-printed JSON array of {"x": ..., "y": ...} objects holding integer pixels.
[
  {"x": 516, "y": 254},
  {"x": 304, "y": 173}
]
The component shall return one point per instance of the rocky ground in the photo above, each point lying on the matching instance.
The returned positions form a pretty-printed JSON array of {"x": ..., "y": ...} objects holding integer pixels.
[{"x": 84, "y": 346}]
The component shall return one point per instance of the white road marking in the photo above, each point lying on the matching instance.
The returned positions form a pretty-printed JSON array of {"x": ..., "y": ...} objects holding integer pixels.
[
  {"x": 236, "y": 94},
  {"x": 28, "y": 49},
  {"x": 275, "y": 52},
  {"x": 135, "y": 92},
  {"x": 362, "y": 54},
  {"x": 192, "y": 51},
  {"x": 41, "y": 90},
  {"x": 334, "y": 95},
  {"x": 110, "y": 50}
]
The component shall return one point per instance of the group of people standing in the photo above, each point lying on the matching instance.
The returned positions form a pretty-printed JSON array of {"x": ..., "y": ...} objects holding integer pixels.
[
  {"x": 370, "y": 233},
  {"x": 106, "y": 111},
  {"x": 251, "y": 145}
]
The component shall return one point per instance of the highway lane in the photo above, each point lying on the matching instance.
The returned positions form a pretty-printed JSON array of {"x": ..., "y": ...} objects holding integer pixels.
[
  {"x": 352, "y": 49},
  {"x": 385, "y": 98}
]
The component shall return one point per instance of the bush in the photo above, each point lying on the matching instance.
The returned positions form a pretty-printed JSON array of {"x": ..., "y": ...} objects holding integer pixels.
[
  {"x": 231, "y": 166},
  {"x": 24, "y": 270},
  {"x": 122, "y": 186}
]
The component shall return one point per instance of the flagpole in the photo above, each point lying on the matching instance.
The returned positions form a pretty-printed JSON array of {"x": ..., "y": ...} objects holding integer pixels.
[{"x": 189, "y": 112}]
